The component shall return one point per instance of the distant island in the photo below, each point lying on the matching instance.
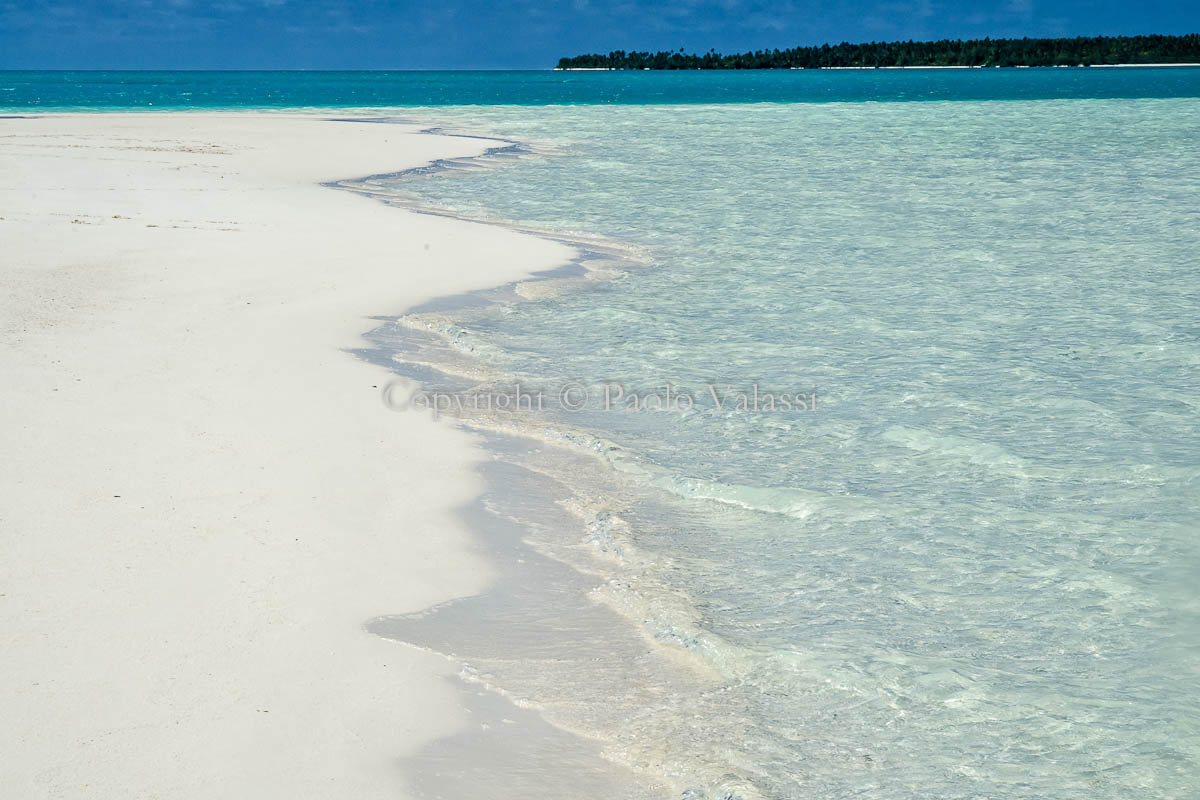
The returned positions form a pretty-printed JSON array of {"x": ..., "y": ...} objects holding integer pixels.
[{"x": 1079, "y": 51}]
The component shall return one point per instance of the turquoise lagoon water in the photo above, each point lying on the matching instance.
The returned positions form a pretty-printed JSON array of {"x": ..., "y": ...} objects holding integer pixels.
[
  {"x": 207, "y": 90},
  {"x": 971, "y": 571}
]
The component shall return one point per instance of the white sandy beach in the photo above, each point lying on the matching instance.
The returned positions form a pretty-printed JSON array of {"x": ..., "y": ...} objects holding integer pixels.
[{"x": 202, "y": 496}]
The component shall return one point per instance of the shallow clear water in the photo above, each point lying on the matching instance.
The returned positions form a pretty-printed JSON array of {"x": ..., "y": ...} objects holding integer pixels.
[{"x": 971, "y": 570}]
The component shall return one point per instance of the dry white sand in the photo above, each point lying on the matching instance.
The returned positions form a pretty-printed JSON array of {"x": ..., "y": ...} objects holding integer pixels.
[{"x": 202, "y": 497}]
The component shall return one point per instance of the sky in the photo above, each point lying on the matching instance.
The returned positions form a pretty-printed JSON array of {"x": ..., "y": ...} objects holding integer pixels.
[{"x": 514, "y": 34}]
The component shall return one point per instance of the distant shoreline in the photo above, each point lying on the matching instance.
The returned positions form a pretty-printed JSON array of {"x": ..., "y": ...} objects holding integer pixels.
[
  {"x": 1083, "y": 51},
  {"x": 950, "y": 66}
]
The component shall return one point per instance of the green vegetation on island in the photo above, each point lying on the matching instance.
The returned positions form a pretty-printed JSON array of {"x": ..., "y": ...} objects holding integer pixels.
[{"x": 1079, "y": 51}]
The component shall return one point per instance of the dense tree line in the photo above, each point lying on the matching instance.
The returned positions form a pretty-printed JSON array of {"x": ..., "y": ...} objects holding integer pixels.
[{"x": 1082, "y": 50}]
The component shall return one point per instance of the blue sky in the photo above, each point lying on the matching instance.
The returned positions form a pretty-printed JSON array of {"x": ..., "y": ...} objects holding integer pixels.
[{"x": 445, "y": 34}]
